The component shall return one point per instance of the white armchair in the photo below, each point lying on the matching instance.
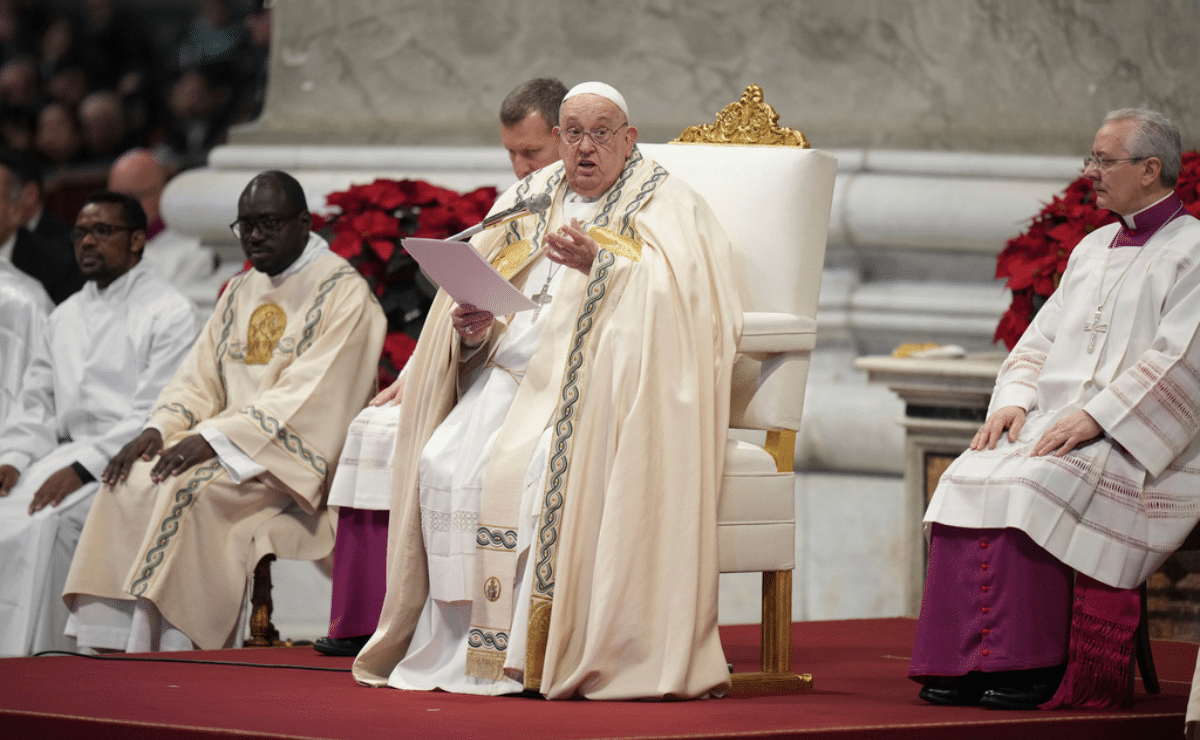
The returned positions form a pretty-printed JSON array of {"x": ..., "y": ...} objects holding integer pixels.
[{"x": 773, "y": 196}]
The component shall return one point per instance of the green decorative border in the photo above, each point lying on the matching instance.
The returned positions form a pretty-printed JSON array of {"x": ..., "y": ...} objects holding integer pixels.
[
  {"x": 184, "y": 497},
  {"x": 313, "y": 316},
  {"x": 178, "y": 408},
  {"x": 291, "y": 441},
  {"x": 564, "y": 426}
]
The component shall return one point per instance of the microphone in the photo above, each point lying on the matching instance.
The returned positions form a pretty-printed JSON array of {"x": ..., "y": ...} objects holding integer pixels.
[{"x": 533, "y": 204}]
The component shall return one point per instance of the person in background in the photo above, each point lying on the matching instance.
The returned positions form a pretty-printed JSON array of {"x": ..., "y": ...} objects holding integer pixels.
[
  {"x": 181, "y": 259},
  {"x": 362, "y": 487},
  {"x": 33, "y": 240}
]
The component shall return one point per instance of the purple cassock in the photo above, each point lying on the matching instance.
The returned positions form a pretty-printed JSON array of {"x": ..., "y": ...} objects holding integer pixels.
[
  {"x": 359, "y": 572},
  {"x": 993, "y": 601}
]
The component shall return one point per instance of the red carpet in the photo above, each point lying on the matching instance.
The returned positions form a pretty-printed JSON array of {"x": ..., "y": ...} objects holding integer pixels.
[{"x": 858, "y": 667}]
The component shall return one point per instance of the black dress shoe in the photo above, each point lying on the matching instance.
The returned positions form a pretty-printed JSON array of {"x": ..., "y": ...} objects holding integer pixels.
[
  {"x": 955, "y": 696},
  {"x": 341, "y": 646},
  {"x": 1030, "y": 696}
]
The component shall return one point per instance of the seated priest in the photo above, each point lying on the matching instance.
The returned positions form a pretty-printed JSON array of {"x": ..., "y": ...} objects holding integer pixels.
[
  {"x": 102, "y": 358},
  {"x": 362, "y": 487},
  {"x": 249, "y": 429},
  {"x": 24, "y": 307},
  {"x": 553, "y": 523},
  {"x": 1084, "y": 476}
]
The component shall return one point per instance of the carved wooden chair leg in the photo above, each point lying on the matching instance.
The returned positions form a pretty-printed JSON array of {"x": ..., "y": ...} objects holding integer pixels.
[{"x": 262, "y": 632}]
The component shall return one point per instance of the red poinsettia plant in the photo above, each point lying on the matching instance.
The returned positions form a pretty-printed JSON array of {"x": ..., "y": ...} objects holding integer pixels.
[
  {"x": 1034, "y": 261},
  {"x": 366, "y": 229}
]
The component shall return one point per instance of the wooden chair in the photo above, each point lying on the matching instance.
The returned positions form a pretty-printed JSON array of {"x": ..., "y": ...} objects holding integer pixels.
[
  {"x": 292, "y": 535},
  {"x": 773, "y": 196}
]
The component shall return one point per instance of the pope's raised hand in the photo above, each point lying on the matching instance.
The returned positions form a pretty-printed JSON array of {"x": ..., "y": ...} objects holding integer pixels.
[
  {"x": 145, "y": 446},
  {"x": 571, "y": 246}
]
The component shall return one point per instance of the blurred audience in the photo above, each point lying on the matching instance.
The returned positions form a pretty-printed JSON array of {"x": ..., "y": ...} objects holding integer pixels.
[
  {"x": 58, "y": 142},
  {"x": 102, "y": 76},
  {"x": 34, "y": 241},
  {"x": 105, "y": 127}
]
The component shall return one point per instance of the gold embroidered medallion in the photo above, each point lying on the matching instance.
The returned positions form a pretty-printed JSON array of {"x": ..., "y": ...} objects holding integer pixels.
[
  {"x": 491, "y": 588},
  {"x": 512, "y": 257},
  {"x": 266, "y": 327}
]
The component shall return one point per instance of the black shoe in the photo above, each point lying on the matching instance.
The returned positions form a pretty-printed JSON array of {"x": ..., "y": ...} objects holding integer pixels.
[
  {"x": 1030, "y": 696},
  {"x": 341, "y": 646},
  {"x": 955, "y": 696}
]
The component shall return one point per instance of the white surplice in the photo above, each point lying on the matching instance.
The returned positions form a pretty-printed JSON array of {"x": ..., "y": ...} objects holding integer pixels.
[
  {"x": 24, "y": 307},
  {"x": 96, "y": 371},
  {"x": 1116, "y": 508},
  {"x": 453, "y": 464}
]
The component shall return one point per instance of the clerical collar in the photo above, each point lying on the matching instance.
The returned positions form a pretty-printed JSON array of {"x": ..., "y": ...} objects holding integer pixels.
[
  {"x": 6, "y": 249},
  {"x": 316, "y": 247},
  {"x": 1137, "y": 228}
]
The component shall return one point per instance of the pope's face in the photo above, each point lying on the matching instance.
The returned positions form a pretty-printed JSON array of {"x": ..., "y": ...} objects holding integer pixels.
[
  {"x": 274, "y": 231},
  {"x": 592, "y": 168},
  {"x": 530, "y": 143},
  {"x": 1121, "y": 186}
]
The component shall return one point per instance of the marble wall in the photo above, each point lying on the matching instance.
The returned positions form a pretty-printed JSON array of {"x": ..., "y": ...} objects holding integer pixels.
[{"x": 966, "y": 75}]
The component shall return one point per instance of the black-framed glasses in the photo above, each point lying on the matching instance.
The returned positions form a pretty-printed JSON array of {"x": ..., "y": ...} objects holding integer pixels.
[
  {"x": 1104, "y": 164},
  {"x": 100, "y": 229},
  {"x": 266, "y": 225},
  {"x": 600, "y": 136}
]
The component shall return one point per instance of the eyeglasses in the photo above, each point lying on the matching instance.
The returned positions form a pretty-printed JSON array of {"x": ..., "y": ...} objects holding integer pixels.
[
  {"x": 1104, "y": 164},
  {"x": 601, "y": 136},
  {"x": 267, "y": 225},
  {"x": 101, "y": 230}
]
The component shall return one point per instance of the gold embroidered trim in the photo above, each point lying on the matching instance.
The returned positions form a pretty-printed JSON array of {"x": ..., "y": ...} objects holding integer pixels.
[
  {"x": 622, "y": 246},
  {"x": 535, "y": 645},
  {"x": 266, "y": 327},
  {"x": 511, "y": 257},
  {"x": 750, "y": 120}
]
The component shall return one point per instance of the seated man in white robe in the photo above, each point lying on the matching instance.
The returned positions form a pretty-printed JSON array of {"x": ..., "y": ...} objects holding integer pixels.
[
  {"x": 24, "y": 307},
  {"x": 553, "y": 523},
  {"x": 104, "y": 356},
  {"x": 1084, "y": 477},
  {"x": 362, "y": 488},
  {"x": 242, "y": 440}
]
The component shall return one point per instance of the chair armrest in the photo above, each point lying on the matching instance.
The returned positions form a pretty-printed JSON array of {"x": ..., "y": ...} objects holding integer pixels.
[{"x": 770, "y": 333}]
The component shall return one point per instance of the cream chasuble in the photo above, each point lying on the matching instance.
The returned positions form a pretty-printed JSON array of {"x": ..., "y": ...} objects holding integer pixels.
[
  {"x": 1116, "y": 508},
  {"x": 97, "y": 368},
  {"x": 628, "y": 393},
  {"x": 280, "y": 371}
]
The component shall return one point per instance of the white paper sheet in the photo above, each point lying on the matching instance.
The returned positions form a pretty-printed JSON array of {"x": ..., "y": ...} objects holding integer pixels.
[{"x": 463, "y": 273}]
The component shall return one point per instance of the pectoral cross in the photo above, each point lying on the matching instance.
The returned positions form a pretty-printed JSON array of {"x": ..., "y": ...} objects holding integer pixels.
[
  {"x": 541, "y": 298},
  {"x": 1096, "y": 328}
]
